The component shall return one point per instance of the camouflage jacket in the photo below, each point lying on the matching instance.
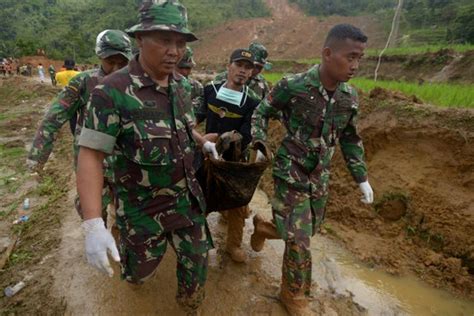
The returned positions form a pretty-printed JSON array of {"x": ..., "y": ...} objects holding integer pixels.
[
  {"x": 258, "y": 85},
  {"x": 149, "y": 130},
  {"x": 71, "y": 101},
  {"x": 197, "y": 93},
  {"x": 314, "y": 123}
]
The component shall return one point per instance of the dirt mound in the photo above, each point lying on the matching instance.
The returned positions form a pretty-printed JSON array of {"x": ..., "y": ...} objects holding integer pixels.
[
  {"x": 421, "y": 166},
  {"x": 288, "y": 34}
]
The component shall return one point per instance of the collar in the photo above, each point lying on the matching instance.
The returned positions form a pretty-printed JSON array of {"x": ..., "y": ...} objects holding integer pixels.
[
  {"x": 312, "y": 79},
  {"x": 141, "y": 79}
]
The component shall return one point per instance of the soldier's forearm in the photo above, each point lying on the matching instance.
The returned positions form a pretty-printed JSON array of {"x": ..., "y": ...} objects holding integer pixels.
[
  {"x": 200, "y": 140},
  {"x": 90, "y": 182}
]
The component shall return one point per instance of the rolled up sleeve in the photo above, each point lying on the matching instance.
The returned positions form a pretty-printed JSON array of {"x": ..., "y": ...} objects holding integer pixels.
[{"x": 102, "y": 122}]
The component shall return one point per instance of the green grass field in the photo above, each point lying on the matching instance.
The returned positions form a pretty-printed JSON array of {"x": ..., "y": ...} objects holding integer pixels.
[{"x": 441, "y": 94}]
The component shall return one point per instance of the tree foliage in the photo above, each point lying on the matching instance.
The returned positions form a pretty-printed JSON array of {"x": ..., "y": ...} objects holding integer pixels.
[
  {"x": 68, "y": 28},
  {"x": 423, "y": 21}
]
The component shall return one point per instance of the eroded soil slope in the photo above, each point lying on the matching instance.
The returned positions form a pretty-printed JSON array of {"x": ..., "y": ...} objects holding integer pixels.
[{"x": 287, "y": 34}]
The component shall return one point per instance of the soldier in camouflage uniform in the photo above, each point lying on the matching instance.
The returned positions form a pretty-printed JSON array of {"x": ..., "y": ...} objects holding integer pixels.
[
  {"x": 257, "y": 82},
  {"x": 114, "y": 49},
  {"x": 143, "y": 115},
  {"x": 52, "y": 74},
  {"x": 319, "y": 110},
  {"x": 184, "y": 68}
]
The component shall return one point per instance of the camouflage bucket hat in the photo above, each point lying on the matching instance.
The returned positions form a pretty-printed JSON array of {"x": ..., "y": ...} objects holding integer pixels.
[
  {"x": 162, "y": 15},
  {"x": 260, "y": 53},
  {"x": 113, "y": 42},
  {"x": 187, "y": 61}
]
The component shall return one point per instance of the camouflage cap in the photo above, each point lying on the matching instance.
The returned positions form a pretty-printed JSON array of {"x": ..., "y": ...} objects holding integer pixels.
[
  {"x": 260, "y": 52},
  {"x": 162, "y": 15},
  {"x": 113, "y": 42},
  {"x": 187, "y": 61}
]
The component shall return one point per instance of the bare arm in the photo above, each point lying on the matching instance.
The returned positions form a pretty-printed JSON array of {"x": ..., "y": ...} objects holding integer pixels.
[{"x": 90, "y": 180}]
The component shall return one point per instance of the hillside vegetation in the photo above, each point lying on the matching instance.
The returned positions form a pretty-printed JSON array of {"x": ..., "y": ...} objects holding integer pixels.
[
  {"x": 422, "y": 21},
  {"x": 69, "y": 27}
]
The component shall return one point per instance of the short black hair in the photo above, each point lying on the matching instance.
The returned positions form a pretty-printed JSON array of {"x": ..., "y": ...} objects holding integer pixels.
[{"x": 343, "y": 31}]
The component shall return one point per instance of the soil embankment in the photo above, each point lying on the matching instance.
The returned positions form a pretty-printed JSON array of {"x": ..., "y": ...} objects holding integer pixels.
[{"x": 442, "y": 66}]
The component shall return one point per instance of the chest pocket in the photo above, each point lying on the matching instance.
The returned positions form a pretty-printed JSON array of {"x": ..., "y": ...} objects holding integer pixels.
[
  {"x": 343, "y": 112},
  {"x": 306, "y": 117},
  {"x": 149, "y": 137}
]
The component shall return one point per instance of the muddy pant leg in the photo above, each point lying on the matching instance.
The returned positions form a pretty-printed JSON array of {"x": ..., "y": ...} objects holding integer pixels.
[
  {"x": 296, "y": 268},
  {"x": 140, "y": 255},
  {"x": 191, "y": 245},
  {"x": 294, "y": 222}
]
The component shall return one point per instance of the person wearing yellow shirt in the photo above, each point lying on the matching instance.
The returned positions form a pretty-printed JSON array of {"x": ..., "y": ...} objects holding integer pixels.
[{"x": 63, "y": 77}]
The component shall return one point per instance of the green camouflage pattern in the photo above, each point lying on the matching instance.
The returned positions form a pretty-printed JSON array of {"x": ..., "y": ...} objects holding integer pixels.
[
  {"x": 197, "y": 93},
  {"x": 162, "y": 15},
  {"x": 70, "y": 102},
  {"x": 142, "y": 254},
  {"x": 260, "y": 53},
  {"x": 149, "y": 130},
  {"x": 187, "y": 61},
  {"x": 113, "y": 42},
  {"x": 315, "y": 124},
  {"x": 258, "y": 86}
]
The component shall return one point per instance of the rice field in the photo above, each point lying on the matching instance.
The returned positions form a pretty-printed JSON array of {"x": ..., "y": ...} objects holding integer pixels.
[{"x": 440, "y": 94}]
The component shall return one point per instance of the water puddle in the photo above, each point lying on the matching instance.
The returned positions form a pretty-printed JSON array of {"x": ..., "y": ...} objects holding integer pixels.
[{"x": 336, "y": 270}]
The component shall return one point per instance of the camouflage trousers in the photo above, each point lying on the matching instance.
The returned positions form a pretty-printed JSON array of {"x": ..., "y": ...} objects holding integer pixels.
[
  {"x": 297, "y": 215},
  {"x": 141, "y": 255}
]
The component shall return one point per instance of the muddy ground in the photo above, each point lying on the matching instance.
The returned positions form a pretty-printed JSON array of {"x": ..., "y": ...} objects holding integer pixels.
[
  {"x": 421, "y": 163},
  {"x": 48, "y": 254}
]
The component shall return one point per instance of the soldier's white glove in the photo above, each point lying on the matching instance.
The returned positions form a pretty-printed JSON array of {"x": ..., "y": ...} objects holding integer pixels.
[
  {"x": 367, "y": 191},
  {"x": 98, "y": 241},
  {"x": 210, "y": 148}
]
